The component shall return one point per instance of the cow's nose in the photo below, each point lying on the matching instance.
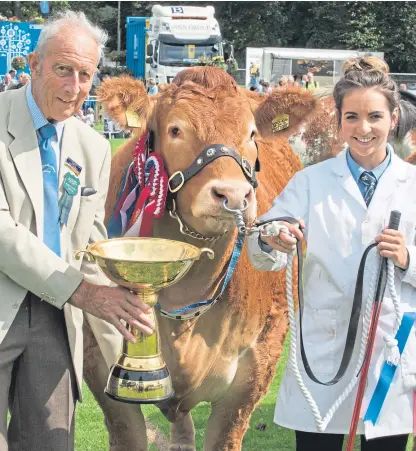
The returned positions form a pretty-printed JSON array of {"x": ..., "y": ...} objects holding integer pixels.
[{"x": 235, "y": 194}]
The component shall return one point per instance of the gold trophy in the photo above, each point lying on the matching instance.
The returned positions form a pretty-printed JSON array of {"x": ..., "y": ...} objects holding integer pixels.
[{"x": 144, "y": 266}]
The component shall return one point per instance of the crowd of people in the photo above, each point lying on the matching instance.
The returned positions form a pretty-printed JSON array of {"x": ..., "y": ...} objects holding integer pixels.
[
  {"x": 10, "y": 81},
  {"x": 307, "y": 81}
]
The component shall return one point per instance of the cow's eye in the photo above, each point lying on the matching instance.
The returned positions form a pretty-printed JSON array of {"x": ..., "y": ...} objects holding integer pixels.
[
  {"x": 174, "y": 132},
  {"x": 253, "y": 134}
]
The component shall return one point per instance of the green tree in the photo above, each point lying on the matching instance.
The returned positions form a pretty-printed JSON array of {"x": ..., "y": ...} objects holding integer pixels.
[
  {"x": 27, "y": 10},
  {"x": 357, "y": 25},
  {"x": 398, "y": 24}
]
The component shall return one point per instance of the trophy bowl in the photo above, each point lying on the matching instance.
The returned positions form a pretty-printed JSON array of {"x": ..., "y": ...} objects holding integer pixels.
[{"x": 144, "y": 266}]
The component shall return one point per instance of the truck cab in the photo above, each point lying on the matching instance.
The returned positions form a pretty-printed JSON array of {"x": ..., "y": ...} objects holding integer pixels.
[{"x": 178, "y": 36}]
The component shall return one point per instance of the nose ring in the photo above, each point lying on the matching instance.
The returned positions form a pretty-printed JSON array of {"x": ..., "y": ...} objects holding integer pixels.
[{"x": 232, "y": 210}]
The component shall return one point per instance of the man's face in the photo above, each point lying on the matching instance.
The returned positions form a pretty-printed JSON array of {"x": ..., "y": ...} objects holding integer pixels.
[
  {"x": 12, "y": 74},
  {"x": 7, "y": 79},
  {"x": 62, "y": 79}
]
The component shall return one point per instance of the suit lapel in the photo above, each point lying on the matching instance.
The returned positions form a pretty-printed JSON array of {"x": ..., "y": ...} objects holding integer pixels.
[{"x": 26, "y": 155}]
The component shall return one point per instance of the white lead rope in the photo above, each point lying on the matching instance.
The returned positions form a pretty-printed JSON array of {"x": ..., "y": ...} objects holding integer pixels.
[{"x": 391, "y": 343}]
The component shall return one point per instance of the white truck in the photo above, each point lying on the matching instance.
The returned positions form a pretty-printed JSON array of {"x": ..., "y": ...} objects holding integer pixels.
[{"x": 178, "y": 36}]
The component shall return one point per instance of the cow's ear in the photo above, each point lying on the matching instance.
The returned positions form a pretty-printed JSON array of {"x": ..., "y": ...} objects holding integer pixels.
[
  {"x": 126, "y": 101},
  {"x": 281, "y": 112}
]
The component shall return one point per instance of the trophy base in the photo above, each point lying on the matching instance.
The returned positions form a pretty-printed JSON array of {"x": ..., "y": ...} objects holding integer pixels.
[
  {"x": 135, "y": 401},
  {"x": 139, "y": 387}
]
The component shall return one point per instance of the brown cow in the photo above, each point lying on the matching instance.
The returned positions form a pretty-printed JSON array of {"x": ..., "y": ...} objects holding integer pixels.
[{"x": 228, "y": 355}]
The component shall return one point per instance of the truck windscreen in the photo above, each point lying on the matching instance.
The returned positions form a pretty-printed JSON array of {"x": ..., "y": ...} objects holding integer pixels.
[{"x": 184, "y": 54}]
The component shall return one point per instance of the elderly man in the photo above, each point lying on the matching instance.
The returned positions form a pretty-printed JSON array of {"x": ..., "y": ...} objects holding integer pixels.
[
  {"x": 54, "y": 173},
  {"x": 7, "y": 83}
]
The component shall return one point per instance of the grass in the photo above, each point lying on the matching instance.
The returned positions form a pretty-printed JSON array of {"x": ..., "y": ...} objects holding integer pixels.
[
  {"x": 91, "y": 434},
  {"x": 116, "y": 143}
]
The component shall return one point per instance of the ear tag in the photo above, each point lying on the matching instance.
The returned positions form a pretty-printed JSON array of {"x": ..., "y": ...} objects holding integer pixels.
[
  {"x": 280, "y": 122},
  {"x": 132, "y": 119}
]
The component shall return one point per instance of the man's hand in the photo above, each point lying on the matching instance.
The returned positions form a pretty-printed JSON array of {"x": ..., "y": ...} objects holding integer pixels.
[
  {"x": 284, "y": 242},
  {"x": 114, "y": 305},
  {"x": 391, "y": 245}
]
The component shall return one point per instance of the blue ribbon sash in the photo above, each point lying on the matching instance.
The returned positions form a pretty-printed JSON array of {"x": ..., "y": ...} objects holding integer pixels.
[
  {"x": 388, "y": 371},
  {"x": 231, "y": 267}
]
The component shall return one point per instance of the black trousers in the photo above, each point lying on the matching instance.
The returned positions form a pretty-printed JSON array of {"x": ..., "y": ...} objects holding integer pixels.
[{"x": 311, "y": 441}]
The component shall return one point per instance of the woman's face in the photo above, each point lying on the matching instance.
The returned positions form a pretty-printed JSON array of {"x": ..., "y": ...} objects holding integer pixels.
[{"x": 366, "y": 122}]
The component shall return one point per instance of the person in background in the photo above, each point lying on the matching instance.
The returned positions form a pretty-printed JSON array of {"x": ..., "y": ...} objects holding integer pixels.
[
  {"x": 343, "y": 205},
  {"x": 403, "y": 87},
  {"x": 89, "y": 117},
  {"x": 311, "y": 84},
  {"x": 254, "y": 71},
  {"x": 12, "y": 74},
  {"x": 152, "y": 88},
  {"x": 54, "y": 175},
  {"x": 260, "y": 87},
  {"x": 290, "y": 81},
  {"x": 283, "y": 82},
  {"x": 266, "y": 87},
  {"x": 24, "y": 79},
  {"x": 7, "y": 83},
  {"x": 304, "y": 80}
]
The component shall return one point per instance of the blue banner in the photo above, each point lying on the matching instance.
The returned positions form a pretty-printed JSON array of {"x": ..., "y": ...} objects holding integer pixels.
[
  {"x": 44, "y": 7},
  {"x": 387, "y": 372}
]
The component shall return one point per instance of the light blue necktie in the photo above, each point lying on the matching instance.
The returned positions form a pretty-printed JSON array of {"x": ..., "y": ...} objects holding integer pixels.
[
  {"x": 51, "y": 225},
  {"x": 369, "y": 181}
]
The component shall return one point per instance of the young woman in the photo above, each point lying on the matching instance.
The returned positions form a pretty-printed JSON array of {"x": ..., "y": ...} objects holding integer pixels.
[{"x": 344, "y": 205}]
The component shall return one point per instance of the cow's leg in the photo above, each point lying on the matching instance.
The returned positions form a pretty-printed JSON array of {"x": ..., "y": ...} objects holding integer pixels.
[
  {"x": 230, "y": 416},
  {"x": 182, "y": 434},
  {"x": 125, "y": 422}
]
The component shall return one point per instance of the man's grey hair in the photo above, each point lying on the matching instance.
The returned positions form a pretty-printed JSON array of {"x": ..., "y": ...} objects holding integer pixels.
[{"x": 74, "y": 20}]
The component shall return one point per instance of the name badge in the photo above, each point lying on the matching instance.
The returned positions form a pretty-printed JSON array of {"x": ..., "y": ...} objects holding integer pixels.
[{"x": 74, "y": 167}]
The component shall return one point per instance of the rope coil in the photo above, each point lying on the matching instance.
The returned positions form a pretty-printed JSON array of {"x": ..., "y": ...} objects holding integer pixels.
[{"x": 322, "y": 422}]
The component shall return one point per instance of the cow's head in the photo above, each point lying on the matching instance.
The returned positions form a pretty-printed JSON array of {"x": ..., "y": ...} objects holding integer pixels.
[{"x": 201, "y": 108}]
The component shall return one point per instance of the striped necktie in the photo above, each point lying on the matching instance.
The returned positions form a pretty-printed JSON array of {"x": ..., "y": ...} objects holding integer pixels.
[
  {"x": 51, "y": 225},
  {"x": 370, "y": 182}
]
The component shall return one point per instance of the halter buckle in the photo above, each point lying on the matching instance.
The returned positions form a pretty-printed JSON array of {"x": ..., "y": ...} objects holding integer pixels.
[
  {"x": 177, "y": 188},
  {"x": 245, "y": 164}
]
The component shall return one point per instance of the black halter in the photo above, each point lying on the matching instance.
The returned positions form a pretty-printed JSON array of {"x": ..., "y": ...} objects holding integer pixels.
[{"x": 207, "y": 156}]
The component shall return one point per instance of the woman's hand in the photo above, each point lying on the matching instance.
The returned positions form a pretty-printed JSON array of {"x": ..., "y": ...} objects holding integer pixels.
[
  {"x": 284, "y": 242},
  {"x": 391, "y": 245}
]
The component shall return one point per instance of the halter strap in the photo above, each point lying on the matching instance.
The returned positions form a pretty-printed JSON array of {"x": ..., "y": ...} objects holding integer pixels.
[
  {"x": 207, "y": 304},
  {"x": 207, "y": 156}
]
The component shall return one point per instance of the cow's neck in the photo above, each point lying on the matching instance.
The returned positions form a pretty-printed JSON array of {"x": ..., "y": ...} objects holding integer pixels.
[{"x": 205, "y": 277}]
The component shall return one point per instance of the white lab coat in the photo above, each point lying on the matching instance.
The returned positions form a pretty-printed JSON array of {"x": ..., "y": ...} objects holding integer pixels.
[{"x": 339, "y": 227}]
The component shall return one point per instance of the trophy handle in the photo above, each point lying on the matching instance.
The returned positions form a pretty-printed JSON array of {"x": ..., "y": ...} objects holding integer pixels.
[
  {"x": 78, "y": 253},
  {"x": 209, "y": 251}
]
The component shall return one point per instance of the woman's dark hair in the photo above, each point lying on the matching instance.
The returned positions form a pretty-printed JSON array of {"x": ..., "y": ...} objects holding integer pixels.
[{"x": 373, "y": 72}]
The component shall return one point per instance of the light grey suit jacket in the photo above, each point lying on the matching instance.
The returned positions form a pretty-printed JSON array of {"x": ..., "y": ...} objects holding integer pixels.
[{"x": 26, "y": 263}]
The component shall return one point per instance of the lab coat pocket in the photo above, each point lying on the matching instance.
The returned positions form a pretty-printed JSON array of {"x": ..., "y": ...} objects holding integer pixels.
[{"x": 319, "y": 337}]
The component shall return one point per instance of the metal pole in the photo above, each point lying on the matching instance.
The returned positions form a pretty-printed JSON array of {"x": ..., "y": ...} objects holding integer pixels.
[
  {"x": 17, "y": 8},
  {"x": 118, "y": 27}
]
